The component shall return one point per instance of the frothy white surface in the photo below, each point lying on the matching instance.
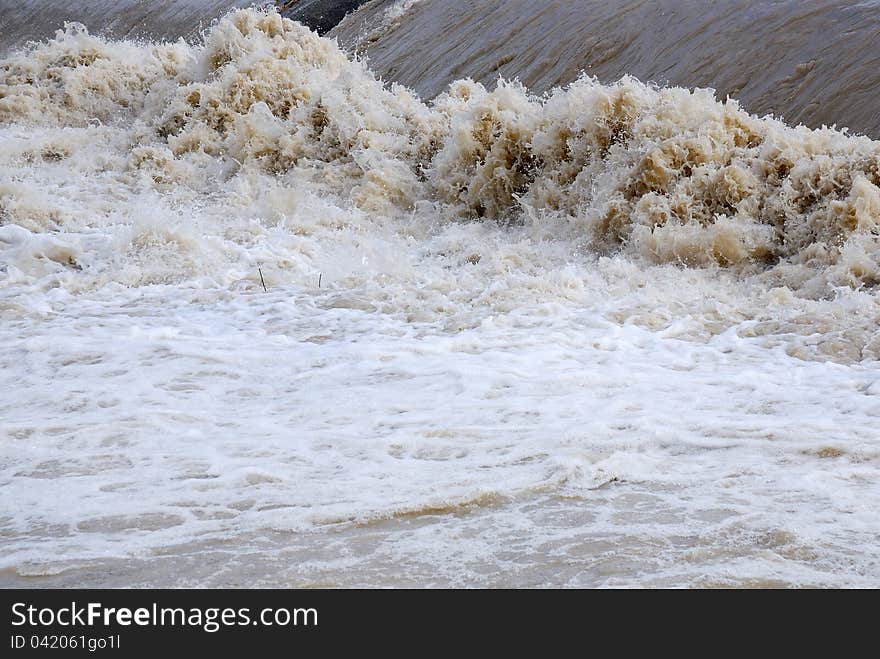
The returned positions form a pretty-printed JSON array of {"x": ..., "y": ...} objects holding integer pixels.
[
  {"x": 139, "y": 420},
  {"x": 495, "y": 401}
]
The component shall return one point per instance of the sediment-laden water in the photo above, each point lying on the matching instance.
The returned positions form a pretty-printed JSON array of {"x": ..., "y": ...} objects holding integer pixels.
[{"x": 269, "y": 320}]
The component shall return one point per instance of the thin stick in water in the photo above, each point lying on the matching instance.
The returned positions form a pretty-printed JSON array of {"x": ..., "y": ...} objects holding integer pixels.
[
  {"x": 320, "y": 274},
  {"x": 262, "y": 281}
]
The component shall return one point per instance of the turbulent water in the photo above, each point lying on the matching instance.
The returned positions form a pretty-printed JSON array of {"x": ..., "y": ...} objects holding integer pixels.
[
  {"x": 269, "y": 321},
  {"x": 809, "y": 61},
  {"x": 25, "y": 20}
]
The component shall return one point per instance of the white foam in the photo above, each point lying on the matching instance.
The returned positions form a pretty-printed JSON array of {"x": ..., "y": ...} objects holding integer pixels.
[{"x": 534, "y": 378}]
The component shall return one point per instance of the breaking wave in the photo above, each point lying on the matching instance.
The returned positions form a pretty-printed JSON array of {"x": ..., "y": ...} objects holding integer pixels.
[
  {"x": 279, "y": 118},
  {"x": 258, "y": 303},
  {"x": 808, "y": 61}
]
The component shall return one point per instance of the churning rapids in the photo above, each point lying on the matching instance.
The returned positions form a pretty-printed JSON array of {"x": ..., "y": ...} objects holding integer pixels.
[{"x": 611, "y": 335}]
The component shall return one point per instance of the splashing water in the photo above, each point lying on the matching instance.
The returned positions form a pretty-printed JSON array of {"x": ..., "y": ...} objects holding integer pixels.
[{"x": 616, "y": 334}]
